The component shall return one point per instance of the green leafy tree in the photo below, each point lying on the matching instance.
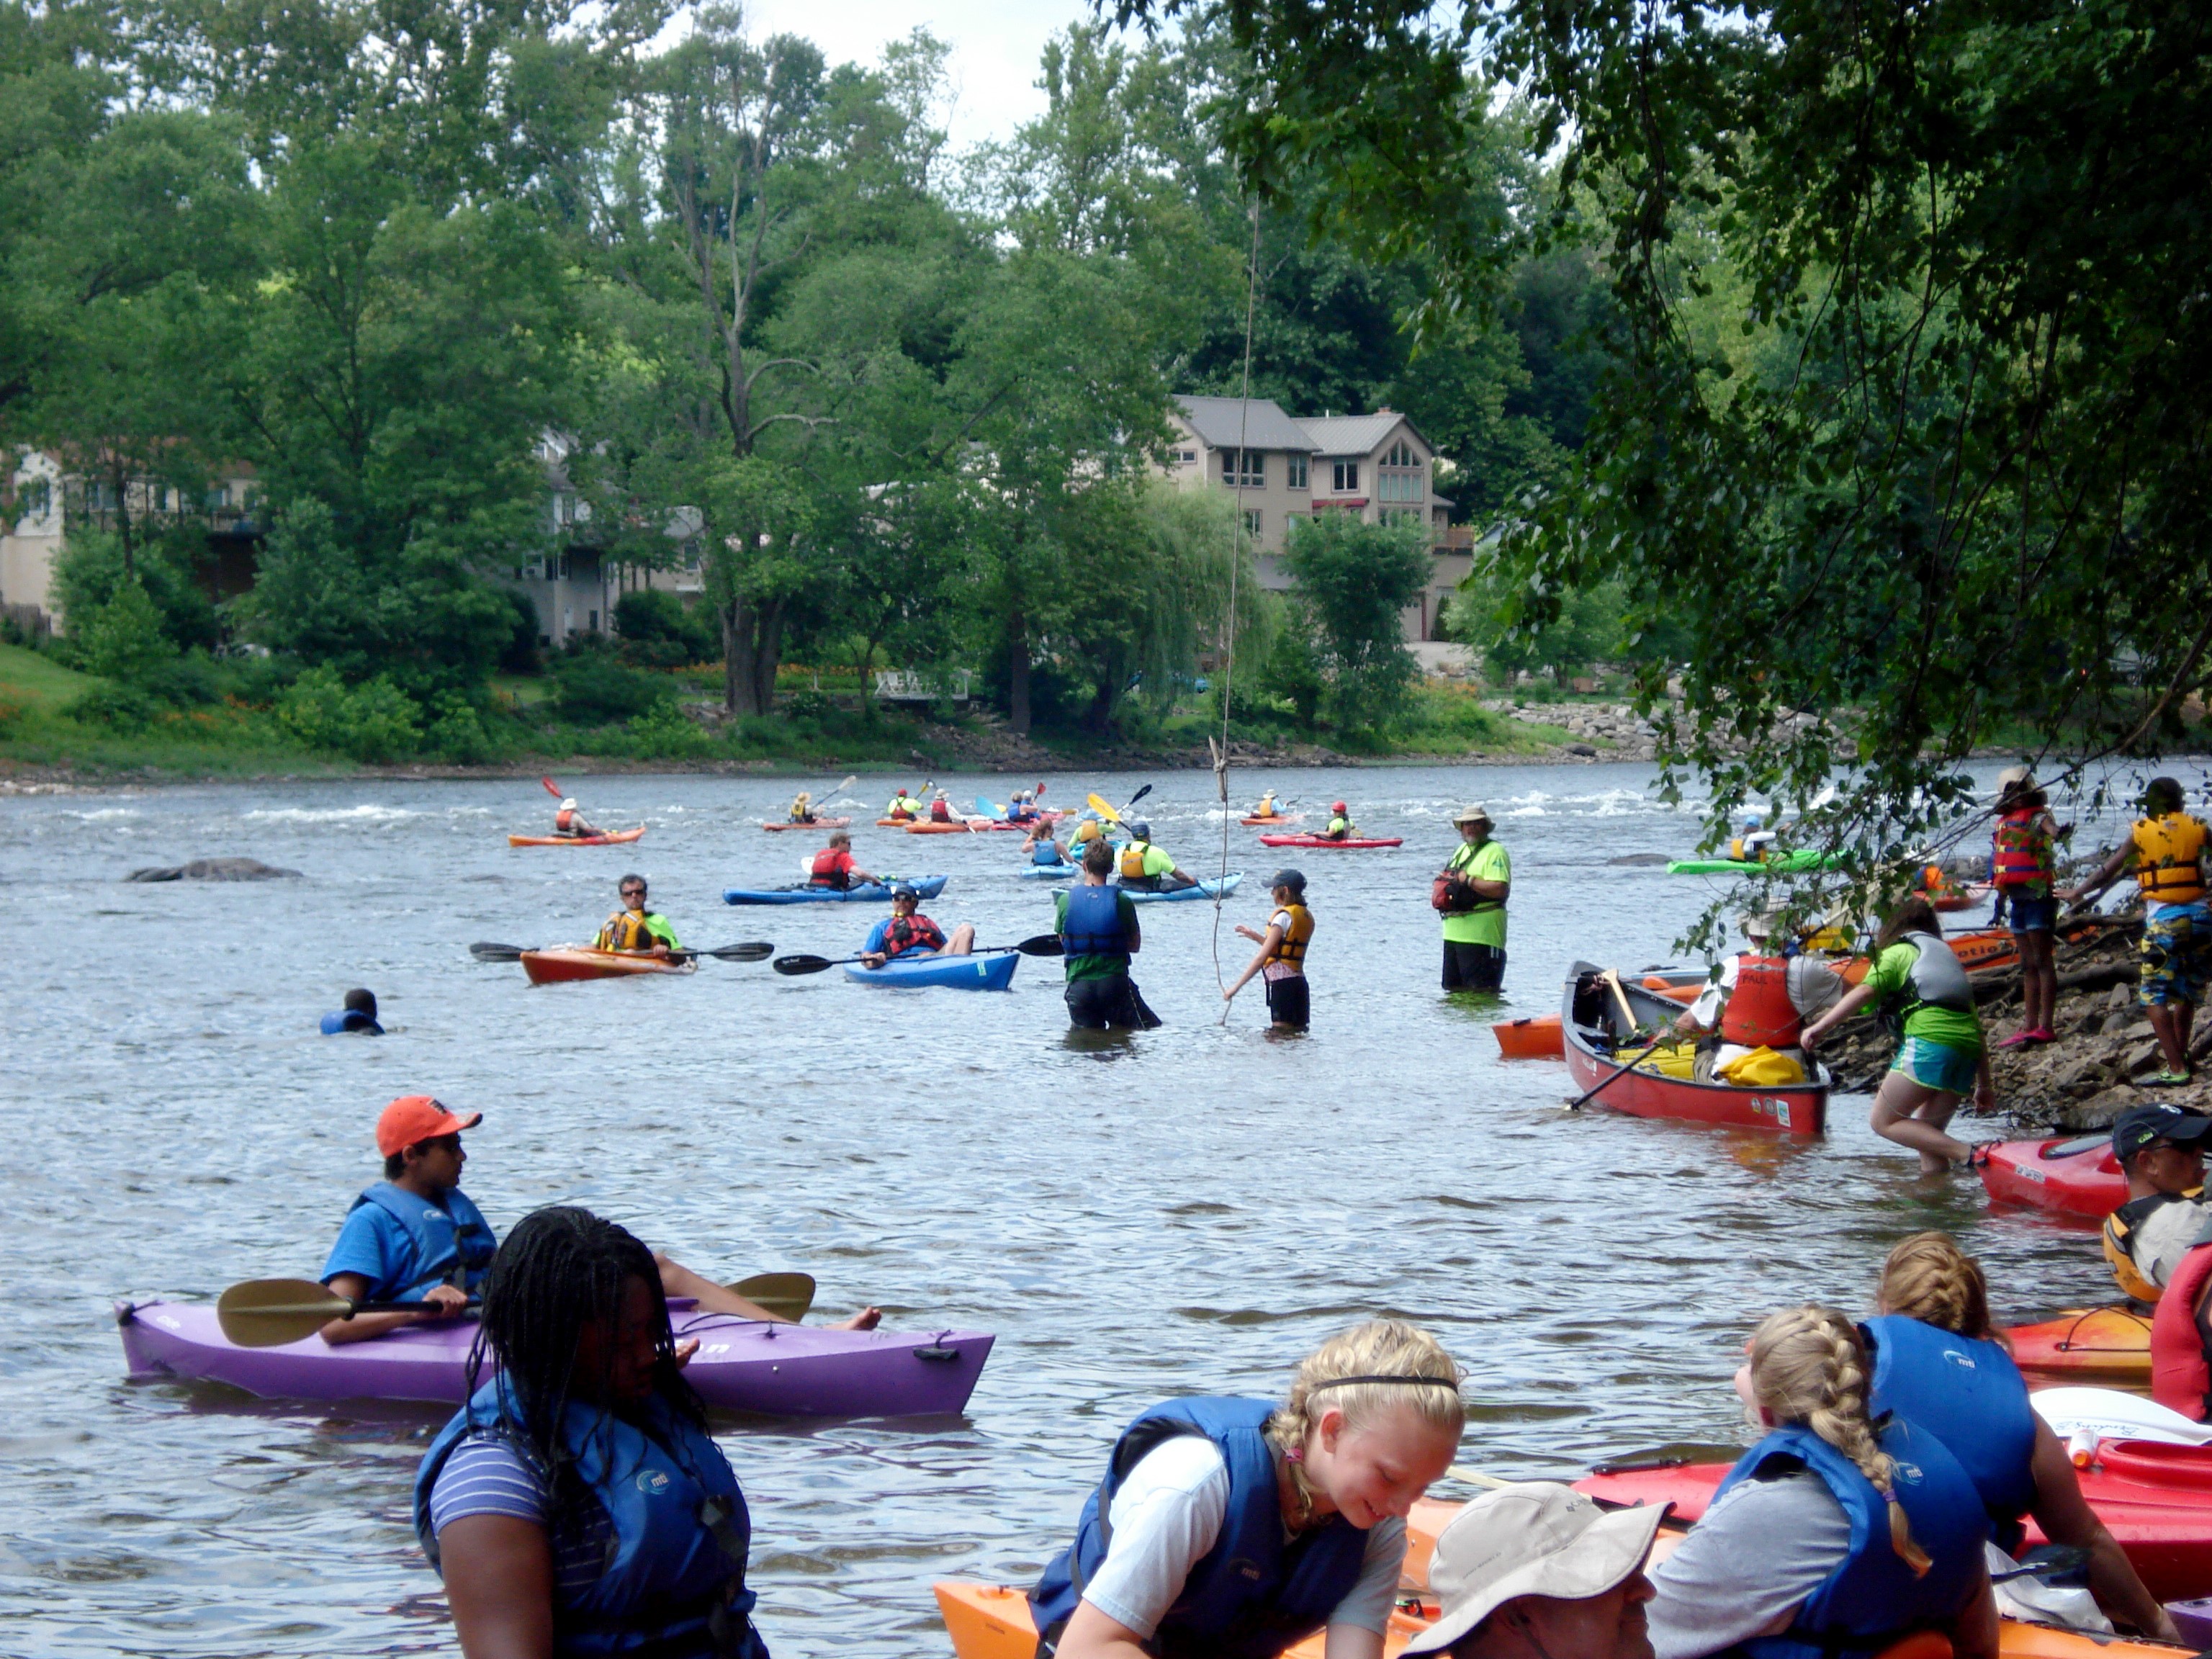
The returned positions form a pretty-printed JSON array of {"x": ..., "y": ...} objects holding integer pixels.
[
  {"x": 124, "y": 639},
  {"x": 1354, "y": 581}
]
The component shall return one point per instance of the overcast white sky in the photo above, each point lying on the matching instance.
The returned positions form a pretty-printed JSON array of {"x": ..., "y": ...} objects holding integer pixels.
[{"x": 995, "y": 44}]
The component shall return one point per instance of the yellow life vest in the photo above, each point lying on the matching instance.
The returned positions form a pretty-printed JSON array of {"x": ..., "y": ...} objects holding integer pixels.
[
  {"x": 1290, "y": 950},
  {"x": 2166, "y": 851},
  {"x": 2124, "y": 1227},
  {"x": 624, "y": 930},
  {"x": 1132, "y": 860}
]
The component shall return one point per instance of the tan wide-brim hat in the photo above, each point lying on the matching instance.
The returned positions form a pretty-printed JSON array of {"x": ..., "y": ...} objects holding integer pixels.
[
  {"x": 1471, "y": 815},
  {"x": 1536, "y": 1538}
]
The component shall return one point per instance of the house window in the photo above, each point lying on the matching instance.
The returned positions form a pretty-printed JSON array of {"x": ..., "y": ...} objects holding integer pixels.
[
  {"x": 1187, "y": 456},
  {"x": 1402, "y": 477},
  {"x": 1347, "y": 477},
  {"x": 1297, "y": 466},
  {"x": 1252, "y": 523},
  {"x": 218, "y": 498},
  {"x": 37, "y": 498},
  {"x": 1251, "y": 474}
]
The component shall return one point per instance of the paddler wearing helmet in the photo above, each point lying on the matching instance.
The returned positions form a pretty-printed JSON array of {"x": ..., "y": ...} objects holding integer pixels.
[
  {"x": 2160, "y": 1151},
  {"x": 1761, "y": 1000},
  {"x": 1237, "y": 1527},
  {"x": 1282, "y": 955},
  {"x": 1836, "y": 1533},
  {"x": 1145, "y": 868},
  {"x": 2167, "y": 849},
  {"x": 1339, "y": 822},
  {"x": 415, "y": 1236},
  {"x": 568, "y": 820},
  {"x": 1922, "y": 986},
  {"x": 1937, "y": 1364},
  {"x": 904, "y": 806},
  {"x": 577, "y": 1505},
  {"x": 1753, "y": 841}
]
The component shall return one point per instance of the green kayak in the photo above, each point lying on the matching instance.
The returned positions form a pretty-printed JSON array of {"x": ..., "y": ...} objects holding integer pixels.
[{"x": 1803, "y": 858}]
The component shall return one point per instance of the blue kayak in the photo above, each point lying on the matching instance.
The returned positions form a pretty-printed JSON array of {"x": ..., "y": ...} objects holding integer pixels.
[
  {"x": 1048, "y": 872},
  {"x": 874, "y": 893},
  {"x": 1205, "y": 890},
  {"x": 992, "y": 972}
]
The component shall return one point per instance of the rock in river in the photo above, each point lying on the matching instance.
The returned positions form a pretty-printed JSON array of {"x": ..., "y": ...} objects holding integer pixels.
[{"x": 214, "y": 870}]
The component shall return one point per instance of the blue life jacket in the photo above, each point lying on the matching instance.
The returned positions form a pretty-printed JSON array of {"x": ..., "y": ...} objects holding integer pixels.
[
  {"x": 674, "y": 1580},
  {"x": 1250, "y": 1596},
  {"x": 1871, "y": 1598},
  {"x": 1046, "y": 854},
  {"x": 1093, "y": 927},
  {"x": 350, "y": 1019},
  {"x": 456, "y": 1236},
  {"x": 1969, "y": 1394}
]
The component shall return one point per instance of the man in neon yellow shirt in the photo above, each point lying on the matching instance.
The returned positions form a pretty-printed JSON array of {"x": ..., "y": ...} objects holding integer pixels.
[{"x": 1474, "y": 928}]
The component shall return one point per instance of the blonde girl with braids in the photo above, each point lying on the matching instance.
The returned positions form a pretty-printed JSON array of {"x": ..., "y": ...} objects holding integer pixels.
[
  {"x": 1834, "y": 1530},
  {"x": 1235, "y": 1528},
  {"x": 1937, "y": 1364}
]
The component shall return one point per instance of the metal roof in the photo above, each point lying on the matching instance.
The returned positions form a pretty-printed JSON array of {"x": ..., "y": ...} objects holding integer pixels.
[
  {"x": 1353, "y": 435},
  {"x": 1218, "y": 420}
]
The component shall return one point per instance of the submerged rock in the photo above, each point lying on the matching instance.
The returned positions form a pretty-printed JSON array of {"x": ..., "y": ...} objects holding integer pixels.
[{"x": 214, "y": 870}]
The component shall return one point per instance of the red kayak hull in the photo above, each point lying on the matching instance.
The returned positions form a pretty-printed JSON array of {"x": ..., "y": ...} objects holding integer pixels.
[
  {"x": 563, "y": 965},
  {"x": 1324, "y": 840},
  {"x": 613, "y": 838},
  {"x": 2071, "y": 1176}
]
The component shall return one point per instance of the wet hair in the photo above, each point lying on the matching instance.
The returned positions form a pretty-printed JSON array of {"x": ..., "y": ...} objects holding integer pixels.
[
  {"x": 361, "y": 1001},
  {"x": 1915, "y": 916},
  {"x": 632, "y": 877},
  {"x": 1097, "y": 856},
  {"x": 1809, "y": 1367},
  {"x": 1928, "y": 1277},
  {"x": 839, "y": 838},
  {"x": 2162, "y": 795},
  {"x": 1343, "y": 1371},
  {"x": 561, "y": 1269}
]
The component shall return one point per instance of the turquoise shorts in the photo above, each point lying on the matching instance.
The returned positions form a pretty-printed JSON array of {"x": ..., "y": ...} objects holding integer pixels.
[{"x": 1938, "y": 1064}]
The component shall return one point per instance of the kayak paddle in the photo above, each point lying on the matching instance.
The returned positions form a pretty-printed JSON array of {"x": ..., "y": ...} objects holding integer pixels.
[
  {"x": 788, "y": 1294},
  {"x": 267, "y": 1313},
  {"x": 552, "y": 789},
  {"x": 1098, "y": 803},
  {"x": 750, "y": 950},
  {"x": 1042, "y": 944}
]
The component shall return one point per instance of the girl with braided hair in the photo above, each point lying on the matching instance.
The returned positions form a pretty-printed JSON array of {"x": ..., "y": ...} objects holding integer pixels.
[
  {"x": 1937, "y": 1364},
  {"x": 1234, "y": 1529},
  {"x": 576, "y": 1506},
  {"x": 1833, "y": 1531}
]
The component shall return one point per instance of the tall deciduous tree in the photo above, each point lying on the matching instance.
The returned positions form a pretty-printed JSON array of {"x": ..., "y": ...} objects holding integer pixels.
[{"x": 1354, "y": 581}]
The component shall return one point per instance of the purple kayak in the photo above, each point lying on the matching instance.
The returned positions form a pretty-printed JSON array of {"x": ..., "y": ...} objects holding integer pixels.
[{"x": 742, "y": 1365}]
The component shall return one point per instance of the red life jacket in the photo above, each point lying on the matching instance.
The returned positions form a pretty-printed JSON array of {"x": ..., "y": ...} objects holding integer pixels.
[
  {"x": 2180, "y": 1377},
  {"x": 1760, "y": 1013},
  {"x": 833, "y": 868},
  {"x": 940, "y": 812},
  {"x": 563, "y": 819},
  {"x": 903, "y": 933},
  {"x": 2020, "y": 855}
]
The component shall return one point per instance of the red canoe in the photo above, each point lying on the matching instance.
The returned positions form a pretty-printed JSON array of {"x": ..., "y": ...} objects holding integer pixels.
[
  {"x": 1326, "y": 841},
  {"x": 612, "y": 838},
  {"x": 1592, "y": 1023},
  {"x": 818, "y": 824},
  {"x": 2075, "y": 1175},
  {"x": 561, "y": 965},
  {"x": 1537, "y": 1038},
  {"x": 2157, "y": 1499}
]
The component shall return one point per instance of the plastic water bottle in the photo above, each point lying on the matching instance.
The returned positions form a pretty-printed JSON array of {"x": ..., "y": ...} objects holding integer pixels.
[{"x": 2082, "y": 1447}]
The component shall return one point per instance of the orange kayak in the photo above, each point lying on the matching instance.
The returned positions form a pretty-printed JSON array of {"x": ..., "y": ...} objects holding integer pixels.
[
  {"x": 2108, "y": 1347},
  {"x": 1273, "y": 817},
  {"x": 818, "y": 824},
  {"x": 958, "y": 827},
  {"x": 561, "y": 964},
  {"x": 1537, "y": 1038},
  {"x": 612, "y": 838}
]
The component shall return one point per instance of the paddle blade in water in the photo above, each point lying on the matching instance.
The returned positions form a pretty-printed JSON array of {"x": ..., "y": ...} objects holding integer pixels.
[
  {"x": 788, "y": 1294},
  {"x": 802, "y": 964},
  {"x": 267, "y": 1313},
  {"x": 484, "y": 952}
]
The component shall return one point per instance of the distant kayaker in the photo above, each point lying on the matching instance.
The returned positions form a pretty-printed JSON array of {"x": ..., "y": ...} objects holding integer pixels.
[
  {"x": 633, "y": 929},
  {"x": 1146, "y": 868},
  {"x": 1761, "y": 1001},
  {"x": 1044, "y": 852},
  {"x": 904, "y": 807},
  {"x": 356, "y": 1016},
  {"x": 2168, "y": 851},
  {"x": 1753, "y": 841},
  {"x": 1282, "y": 956},
  {"x": 577, "y": 1505},
  {"x": 2161, "y": 1150},
  {"x": 1023, "y": 809},
  {"x": 940, "y": 809},
  {"x": 1535, "y": 1570},
  {"x": 1339, "y": 822},
  {"x": 1940, "y": 1057},
  {"x": 415, "y": 1236},
  {"x": 1240, "y": 1527},
  {"x": 834, "y": 868},
  {"x": 802, "y": 808},
  {"x": 1833, "y": 1532},
  {"x": 1098, "y": 934},
  {"x": 2023, "y": 864},
  {"x": 1937, "y": 1366},
  {"x": 568, "y": 820},
  {"x": 1265, "y": 809},
  {"x": 908, "y": 932},
  {"x": 1472, "y": 892}
]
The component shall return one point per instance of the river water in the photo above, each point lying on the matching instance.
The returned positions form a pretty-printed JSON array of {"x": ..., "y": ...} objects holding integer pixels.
[{"x": 1188, "y": 1211}]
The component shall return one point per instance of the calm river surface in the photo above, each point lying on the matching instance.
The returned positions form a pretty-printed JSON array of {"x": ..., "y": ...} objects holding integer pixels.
[{"x": 1184, "y": 1211}]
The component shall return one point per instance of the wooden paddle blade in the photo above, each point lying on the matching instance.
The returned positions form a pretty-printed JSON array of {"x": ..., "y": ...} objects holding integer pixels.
[
  {"x": 267, "y": 1313},
  {"x": 487, "y": 953},
  {"x": 1044, "y": 944},
  {"x": 802, "y": 964},
  {"x": 788, "y": 1294},
  {"x": 755, "y": 950}
]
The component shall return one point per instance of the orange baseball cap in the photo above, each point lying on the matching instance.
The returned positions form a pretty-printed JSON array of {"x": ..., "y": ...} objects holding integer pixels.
[{"x": 413, "y": 1118}]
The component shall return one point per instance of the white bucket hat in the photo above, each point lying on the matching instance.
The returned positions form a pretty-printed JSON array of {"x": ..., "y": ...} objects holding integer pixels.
[{"x": 1537, "y": 1538}]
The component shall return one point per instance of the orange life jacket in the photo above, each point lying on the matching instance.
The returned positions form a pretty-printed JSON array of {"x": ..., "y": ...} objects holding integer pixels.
[
  {"x": 1291, "y": 952},
  {"x": 1760, "y": 1013},
  {"x": 2180, "y": 1377},
  {"x": 563, "y": 819},
  {"x": 2021, "y": 854}
]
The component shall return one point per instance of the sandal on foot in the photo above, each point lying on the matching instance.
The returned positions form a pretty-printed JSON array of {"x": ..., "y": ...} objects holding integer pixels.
[
  {"x": 2019, "y": 1039},
  {"x": 2164, "y": 1080}
]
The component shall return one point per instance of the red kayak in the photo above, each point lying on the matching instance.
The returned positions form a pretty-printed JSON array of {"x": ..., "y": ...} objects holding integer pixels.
[
  {"x": 2075, "y": 1176},
  {"x": 2156, "y": 1499},
  {"x": 565, "y": 964},
  {"x": 818, "y": 824},
  {"x": 1331, "y": 841}
]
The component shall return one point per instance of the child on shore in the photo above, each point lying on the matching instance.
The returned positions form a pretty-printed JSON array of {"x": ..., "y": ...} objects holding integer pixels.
[{"x": 1282, "y": 955}]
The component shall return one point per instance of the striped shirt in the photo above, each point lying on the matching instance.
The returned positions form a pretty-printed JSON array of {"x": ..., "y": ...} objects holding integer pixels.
[{"x": 485, "y": 1475}]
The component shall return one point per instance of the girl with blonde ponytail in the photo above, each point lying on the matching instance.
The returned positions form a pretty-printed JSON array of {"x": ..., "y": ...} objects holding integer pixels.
[
  {"x": 1937, "y": 1364},
  {"x": 1238, "y": 1527},
  {"x": 1835, "y": 1530}
]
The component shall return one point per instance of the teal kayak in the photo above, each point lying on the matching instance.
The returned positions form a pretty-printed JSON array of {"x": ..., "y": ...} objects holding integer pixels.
[
  {"x": 1205, "y": 890},
  {"x": 1048, "y": 872},
  {"x": 1788, "y": 863},
  {"x": 993, "y": 973},
  {"x": 871, "y": 893}
]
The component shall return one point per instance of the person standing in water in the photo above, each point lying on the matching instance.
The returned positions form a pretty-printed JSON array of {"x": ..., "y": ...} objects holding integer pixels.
[
  {"x": 1240, "y": 1527},
  {"x": 1282, "y": 956},
  {"x": 1477, "y": 882}
]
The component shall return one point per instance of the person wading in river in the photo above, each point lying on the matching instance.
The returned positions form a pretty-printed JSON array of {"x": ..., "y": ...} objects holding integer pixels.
[
  {"x": 1098, "y": 934},
  {"x": 1238, "y": 1526},
  {"x": 1471, "y": 892},
  {"x": 416, "y": 1236}
]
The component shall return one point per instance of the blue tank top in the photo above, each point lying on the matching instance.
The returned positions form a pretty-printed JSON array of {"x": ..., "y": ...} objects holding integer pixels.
[{"x": 1969, "y": 1394}]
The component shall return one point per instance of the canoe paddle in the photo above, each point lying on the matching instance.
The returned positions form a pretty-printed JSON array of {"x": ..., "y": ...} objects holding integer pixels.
[
  {"x": 750, "y": 950},
  {"x": 1043, "y": 945},
  {"x": 788, "y": 1294}
]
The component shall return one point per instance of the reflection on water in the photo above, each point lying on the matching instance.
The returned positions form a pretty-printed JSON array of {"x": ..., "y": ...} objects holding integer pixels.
[{"x": 1136, "y": 1216}]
